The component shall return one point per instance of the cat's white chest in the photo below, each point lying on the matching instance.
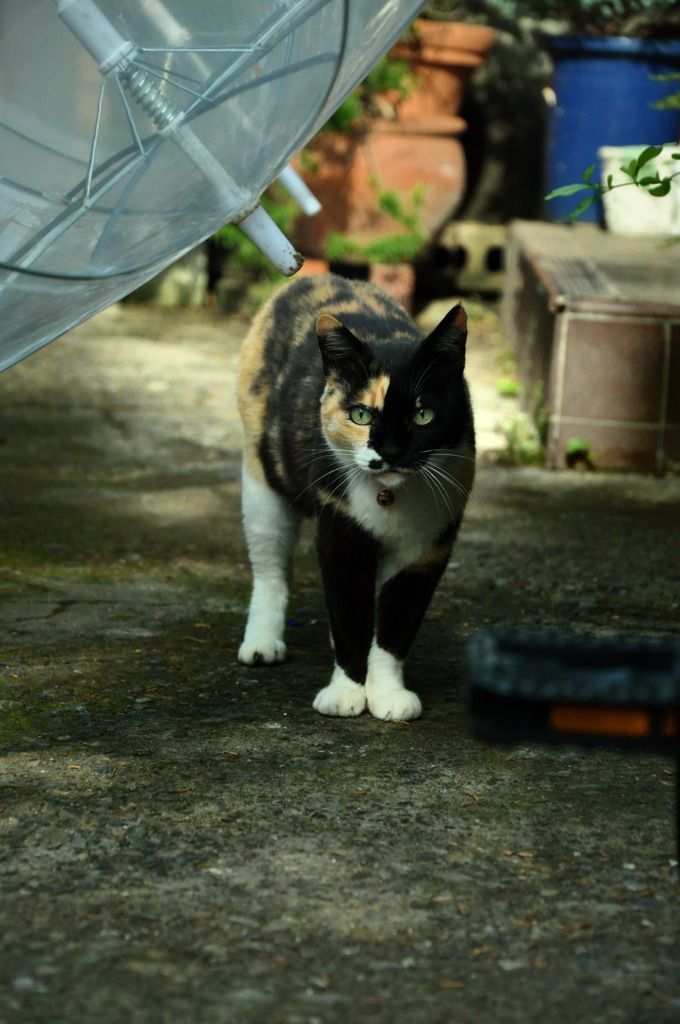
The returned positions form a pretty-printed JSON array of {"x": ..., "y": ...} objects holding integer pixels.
[{"x": 406, "y": 529}]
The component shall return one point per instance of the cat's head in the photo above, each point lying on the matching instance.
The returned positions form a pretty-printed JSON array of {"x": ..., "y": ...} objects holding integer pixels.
[{"x": 392, "y": 404}]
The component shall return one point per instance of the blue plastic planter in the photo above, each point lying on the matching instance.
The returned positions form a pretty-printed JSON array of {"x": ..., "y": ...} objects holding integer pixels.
[{"x": 604, "y": 95}]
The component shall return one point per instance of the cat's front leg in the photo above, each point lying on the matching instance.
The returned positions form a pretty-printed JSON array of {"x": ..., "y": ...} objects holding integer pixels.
[
  {"x": 271, "y": 530},
  {"x": 348, "y": 560},
  {"x": 402, "y": 603},
  {"x": 386, "y": 695},
  {"x": 342, "y": 697}
]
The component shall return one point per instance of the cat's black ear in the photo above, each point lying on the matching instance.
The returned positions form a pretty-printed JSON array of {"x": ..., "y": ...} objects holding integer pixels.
[
  {"x": 341, "y": 352},
  {"x": 446, "y": 343}
]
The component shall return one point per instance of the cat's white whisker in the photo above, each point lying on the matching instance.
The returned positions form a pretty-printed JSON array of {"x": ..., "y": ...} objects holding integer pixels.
[
  {"x": 433, "y": 489},
  {"x": 315, "y": 483},
  {"x": 437, "y": 486},
  {"x": 443, "y": 474},
  {"x": 451, "y": 452},
  {"x": 444, "y": 479}
]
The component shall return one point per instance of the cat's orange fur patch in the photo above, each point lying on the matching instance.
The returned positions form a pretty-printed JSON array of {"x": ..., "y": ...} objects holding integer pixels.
[
  {"x": 339, "y": 429},
  {"x": 373, "y": 396},
  {"x": 326, "y": 323},
  {"x": 252, "y": 403}
]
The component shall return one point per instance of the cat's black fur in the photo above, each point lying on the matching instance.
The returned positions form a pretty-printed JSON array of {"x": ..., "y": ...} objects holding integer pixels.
[{"x": 352, "y": 417}]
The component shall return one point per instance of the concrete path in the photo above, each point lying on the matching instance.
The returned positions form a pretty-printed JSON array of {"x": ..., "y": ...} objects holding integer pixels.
[{"x": 185, "y": 840}]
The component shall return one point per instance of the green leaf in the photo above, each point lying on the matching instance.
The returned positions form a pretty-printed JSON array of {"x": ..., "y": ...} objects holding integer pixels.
[
  {"x": 588, "y": 175},
  {"x": 630, "y": 169},
  {"x": 567, "y": 190},
  {"x": 583, "y": 205},
  {"x": 661, "y": 190},
  {"x": 652, "y": 179},
  {"x": 671, "y": 102},
  {"x": 646, "y": 155},
  {"x": 390, "y": 203},
  {"x": 507, "y": 387}
]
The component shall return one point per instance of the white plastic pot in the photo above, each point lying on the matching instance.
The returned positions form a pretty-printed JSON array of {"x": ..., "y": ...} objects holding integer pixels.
[{"x": 631, "y": 210}]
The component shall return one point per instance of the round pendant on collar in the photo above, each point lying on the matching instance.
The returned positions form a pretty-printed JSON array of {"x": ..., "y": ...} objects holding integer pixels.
[{"x": 385, "y": 497}]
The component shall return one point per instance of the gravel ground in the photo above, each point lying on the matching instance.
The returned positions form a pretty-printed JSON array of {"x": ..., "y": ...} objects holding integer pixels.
[{"x": 185, "y": 840}]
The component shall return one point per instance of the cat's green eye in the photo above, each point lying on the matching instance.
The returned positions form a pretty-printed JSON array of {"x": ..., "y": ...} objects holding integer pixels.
[
  {"x": 423, "y": 415},
  {"x": 360, "y": 415}
]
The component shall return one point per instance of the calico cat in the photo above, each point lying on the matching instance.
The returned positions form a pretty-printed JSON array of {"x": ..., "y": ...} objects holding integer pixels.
[{"x": 352, "y": 417}]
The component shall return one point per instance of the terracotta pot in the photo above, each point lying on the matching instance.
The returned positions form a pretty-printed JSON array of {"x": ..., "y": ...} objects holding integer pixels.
[
  {"x": 442, "y": 55},
  {"x": 418, "y": 148},
  {"x": 351, "y": 172},
  {"x": 450, "y": 42}
]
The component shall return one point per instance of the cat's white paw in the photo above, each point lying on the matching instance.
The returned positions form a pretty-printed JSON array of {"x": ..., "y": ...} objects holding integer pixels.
[
  {"x": 341, "y": 697},
  {"x": 388, "y": 698},
  {"x": 396, "y": 705},
  {"x": 262, "y": 652}
]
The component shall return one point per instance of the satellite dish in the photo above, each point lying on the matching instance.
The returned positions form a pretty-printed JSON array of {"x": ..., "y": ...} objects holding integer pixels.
[{"x": 130, "y": 130}]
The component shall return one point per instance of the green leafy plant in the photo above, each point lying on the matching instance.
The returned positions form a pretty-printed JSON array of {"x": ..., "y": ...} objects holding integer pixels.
[
  {"x": 401, "y": 246},
  {"x": 523, "y": 445},
  {"x": 575, "y": 445},
  {"x": 596, "y": 17},
  {"x": 672, "y": 101},
  {"x": 387, "y": 249},
  {"x": 507, "y": 387},
  {"x": 389, "y": 76},
  {"x": 578, "y": 453},
  {"x": 441, "y": 10},
  {"x": 653, "y": 183}
]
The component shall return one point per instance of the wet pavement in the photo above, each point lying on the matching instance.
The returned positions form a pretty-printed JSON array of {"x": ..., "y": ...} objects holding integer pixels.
[{"x": 185, "y": 839}]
